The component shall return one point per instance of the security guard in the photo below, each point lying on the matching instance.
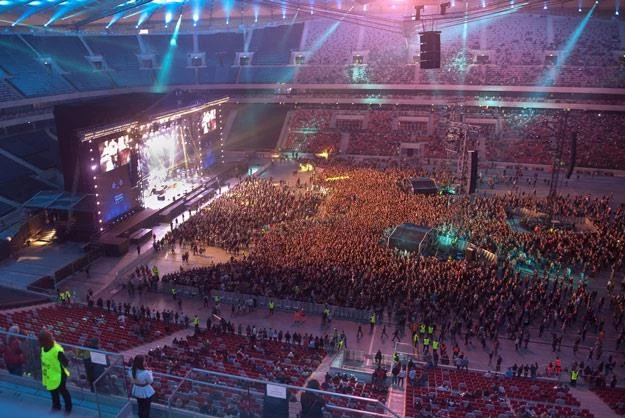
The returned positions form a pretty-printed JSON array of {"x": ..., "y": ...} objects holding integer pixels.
[
  {"x": 196, "y": 323},
  {"x": 426, "y": 344},
  {"x": 574, "y": 376},
  {"x": 173, "y": 292},
  {"x": 325, "y": 315},
  {"x": 54, "y": 372},
  {"x": 430, "y": 330},
  {"x": 415, "y": 339},
  {"x": 435, "y": 345},
  {"x": 422, "y": 329},
  {"x": 371, "y": 322},
  {"x": 272, "y": 307}
]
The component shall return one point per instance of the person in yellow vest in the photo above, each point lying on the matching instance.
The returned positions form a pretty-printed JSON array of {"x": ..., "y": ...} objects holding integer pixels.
[
  {"x": 371, "y": 322},
  {"x": 415, "y": 341},
  {"x": 422, "y": 329},
  {"x": 435, "y": 345},
  {"x": 196, "y": 323},
  {"x": 426, "y": 344},
  {"x": 272, "y": 307},
  {"x": 430, "y": 330},
  {"x": 173, "y": 293},
  {"x": 574, "y": 376},
  {"x": 54, "y": 372}
]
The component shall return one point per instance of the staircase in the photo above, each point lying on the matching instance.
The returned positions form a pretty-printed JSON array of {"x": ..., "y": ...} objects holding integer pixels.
[{"x": 589, "y": 400}]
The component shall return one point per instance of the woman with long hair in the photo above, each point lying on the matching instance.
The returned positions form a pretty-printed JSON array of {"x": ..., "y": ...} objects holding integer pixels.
[{"x": 142, "y": 389}]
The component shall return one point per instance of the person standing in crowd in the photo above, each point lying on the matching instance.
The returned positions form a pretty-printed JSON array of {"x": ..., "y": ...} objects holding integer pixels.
[
  {"x": 54, "y": 372},
  {"x": 142, "y": 389},
  {"x": 13, "y": 354},
  {"x": 312, "y": 403}
]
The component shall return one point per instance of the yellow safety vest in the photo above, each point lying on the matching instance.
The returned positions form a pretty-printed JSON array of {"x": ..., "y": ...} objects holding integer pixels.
[
  {"x": 426, "y": 341},
  {"x": 574, "y": 375},
  {"x": 51, "y": 367},
  {"x": 196, "y": 321},
  {"x": 271, "y": 305},
  {"x": 435, "y": 345},
  {"x": 430, "y": 329},
  {"x": 372, "y": 319},
  {"x": 422, "y": 329},
  {"x": 415, "y": 338}
]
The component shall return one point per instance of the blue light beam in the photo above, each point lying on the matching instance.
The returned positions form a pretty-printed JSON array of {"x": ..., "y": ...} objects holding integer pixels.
[{"x": 551, "y": 75}]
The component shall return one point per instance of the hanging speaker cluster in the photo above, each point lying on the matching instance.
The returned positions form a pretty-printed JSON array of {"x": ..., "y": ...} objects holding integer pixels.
[{"x": 430, "y": 56}]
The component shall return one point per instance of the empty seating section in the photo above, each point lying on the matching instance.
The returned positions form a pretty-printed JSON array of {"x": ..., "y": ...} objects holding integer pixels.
[
  {"x": 7, "y": 93},
  {"x": 37, "y": 148},
  {"x": 220, "y": 48},
  {"x": 76, "y": 324},
  {"x": 172, "y": 61},
  {"x": 119, "y": 52},
  {"x": 70, "y": 55},
  {"x": 91, "y": 80},
  {"x": 29, "y": 76},
  {"x": 67, "y": 52},
  {"x": 458, "y": 393},
  {"x": 40, "y": 84},
  {"x": 120, "y": 55},
  {"x": 615, "y": 398},
  {"x": 16, "y": 56},
  {"x": 273, "y": 45}
]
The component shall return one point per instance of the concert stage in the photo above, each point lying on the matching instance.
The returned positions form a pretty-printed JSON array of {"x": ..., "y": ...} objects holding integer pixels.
[{"x": 135, "y": 228}]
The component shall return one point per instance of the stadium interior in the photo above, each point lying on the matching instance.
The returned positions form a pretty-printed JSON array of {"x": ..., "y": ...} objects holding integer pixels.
[{"x": 394, "y": 208}]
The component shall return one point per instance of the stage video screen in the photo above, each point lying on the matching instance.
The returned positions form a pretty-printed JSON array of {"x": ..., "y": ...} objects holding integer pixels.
[
  {"x": 209, "y": 121},
  {"x": 152, "y": 163},
  {"x": 169, "y": 162},
  {"x": 114, "y": 153},
  {"x": 118, "y": 193}
]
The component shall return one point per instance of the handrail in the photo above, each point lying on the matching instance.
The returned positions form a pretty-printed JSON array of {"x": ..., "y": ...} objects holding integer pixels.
[
  {"x": 299, "y": 388},
  {"x": 175, "y": 391}
]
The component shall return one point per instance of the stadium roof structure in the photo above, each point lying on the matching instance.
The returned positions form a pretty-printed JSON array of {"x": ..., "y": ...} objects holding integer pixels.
[{"x": 54, "y": 16}]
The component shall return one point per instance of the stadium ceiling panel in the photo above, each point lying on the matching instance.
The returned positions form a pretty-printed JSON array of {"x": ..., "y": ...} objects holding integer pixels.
[{"x": 62, "y": 15}]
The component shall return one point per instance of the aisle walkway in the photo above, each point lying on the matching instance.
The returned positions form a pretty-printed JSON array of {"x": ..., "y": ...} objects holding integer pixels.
[{"x": 589, "y": 400}]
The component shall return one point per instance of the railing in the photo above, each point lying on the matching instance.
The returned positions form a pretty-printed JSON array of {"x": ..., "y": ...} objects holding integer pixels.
[
  {"x": 293, "y": 305},
  {"x": 90, "y": 368},
  {"x": 103, "y": 377}
]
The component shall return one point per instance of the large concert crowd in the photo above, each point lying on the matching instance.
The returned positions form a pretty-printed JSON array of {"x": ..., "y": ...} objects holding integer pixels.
[{"x": 337, "y": 256}]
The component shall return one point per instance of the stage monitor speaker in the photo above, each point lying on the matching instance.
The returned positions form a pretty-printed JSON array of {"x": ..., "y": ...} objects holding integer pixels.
[
  {"x": 430, "y": 50},
  {"x": 573, "y": 155},
  {"x": 472, "y": 179}
]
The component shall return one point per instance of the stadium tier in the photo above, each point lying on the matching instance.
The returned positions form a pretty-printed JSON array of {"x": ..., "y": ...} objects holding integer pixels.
[{"x": 346, "y": 209}]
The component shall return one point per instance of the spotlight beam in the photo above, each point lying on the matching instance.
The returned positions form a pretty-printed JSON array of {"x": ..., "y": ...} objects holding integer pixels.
[{"x": 109, "y": 8}]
